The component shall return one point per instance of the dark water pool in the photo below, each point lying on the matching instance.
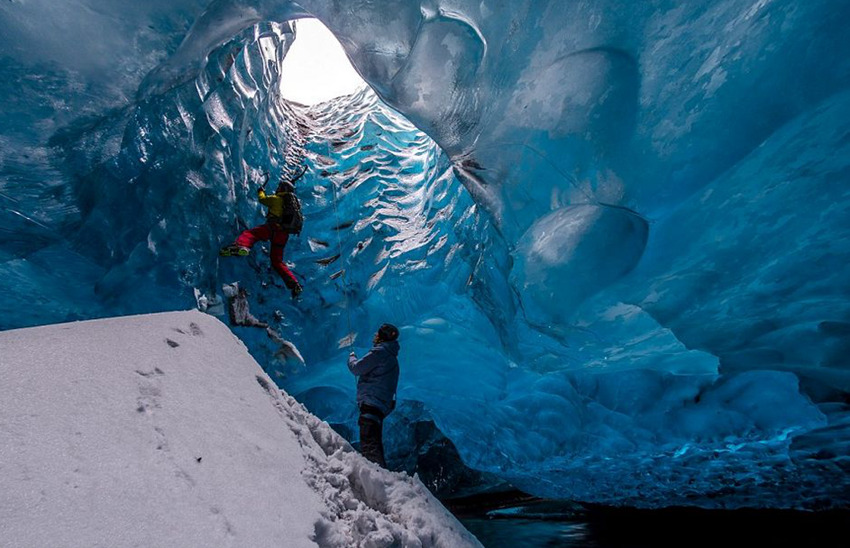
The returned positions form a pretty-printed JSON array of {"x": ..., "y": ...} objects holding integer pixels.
[{"x": 548, "y": 525}]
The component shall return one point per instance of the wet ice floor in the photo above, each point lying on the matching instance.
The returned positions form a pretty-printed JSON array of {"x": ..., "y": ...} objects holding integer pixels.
[
  {"x": 498, "y": 533},
  {"x": 621, "y": 528}
]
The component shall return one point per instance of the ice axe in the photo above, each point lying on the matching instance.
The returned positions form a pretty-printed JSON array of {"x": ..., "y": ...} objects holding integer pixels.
[{"x": 303, "y": 171}]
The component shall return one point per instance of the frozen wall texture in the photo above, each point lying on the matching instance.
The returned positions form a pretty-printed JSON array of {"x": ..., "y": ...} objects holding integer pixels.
[{"x": 618, "y": 252}]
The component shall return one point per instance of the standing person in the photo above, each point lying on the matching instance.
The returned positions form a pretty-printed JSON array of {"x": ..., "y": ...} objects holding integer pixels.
[
  {"x": 377, "y": 381},
  {"x": 283, "y": 218}
]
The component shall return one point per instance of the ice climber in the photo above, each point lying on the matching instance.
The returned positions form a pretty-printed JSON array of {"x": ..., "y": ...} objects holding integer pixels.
[
  {"x": 377, "y": 380},
  {"x": 284, "y": 217}
]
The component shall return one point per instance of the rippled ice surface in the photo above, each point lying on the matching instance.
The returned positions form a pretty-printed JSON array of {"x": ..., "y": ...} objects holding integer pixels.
[
  {"x": 402, "y": 242},
  {"x": 635, "y": 293}
]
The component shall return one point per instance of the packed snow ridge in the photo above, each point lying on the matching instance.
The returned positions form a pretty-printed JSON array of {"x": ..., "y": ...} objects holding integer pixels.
[{"x": 161, "y": 430}]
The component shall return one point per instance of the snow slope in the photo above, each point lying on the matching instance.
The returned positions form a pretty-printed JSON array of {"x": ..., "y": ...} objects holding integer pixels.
[{"x": 161, "y": 430}]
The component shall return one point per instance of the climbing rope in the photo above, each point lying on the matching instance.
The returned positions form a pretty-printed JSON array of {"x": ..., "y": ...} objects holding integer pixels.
[{"x": 349, "y": 339}]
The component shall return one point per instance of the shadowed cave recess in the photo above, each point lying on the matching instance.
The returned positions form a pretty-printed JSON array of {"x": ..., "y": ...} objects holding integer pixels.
[{"x": 614, "y": 234}]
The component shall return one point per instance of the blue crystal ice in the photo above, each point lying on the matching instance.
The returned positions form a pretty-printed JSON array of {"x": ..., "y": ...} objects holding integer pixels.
[{"x": 615, "y": 234}]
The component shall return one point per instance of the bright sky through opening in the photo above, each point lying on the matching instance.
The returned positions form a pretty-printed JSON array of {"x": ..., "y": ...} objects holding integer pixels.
[{"x": 315, "y": 68}]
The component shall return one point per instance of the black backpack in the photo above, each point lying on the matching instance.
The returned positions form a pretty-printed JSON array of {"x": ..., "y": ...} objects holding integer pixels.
[{"x": 292, "y": 220}]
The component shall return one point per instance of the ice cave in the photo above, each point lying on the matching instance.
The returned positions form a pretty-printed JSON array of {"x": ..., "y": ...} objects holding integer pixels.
[{"x": 615, "y": 235}]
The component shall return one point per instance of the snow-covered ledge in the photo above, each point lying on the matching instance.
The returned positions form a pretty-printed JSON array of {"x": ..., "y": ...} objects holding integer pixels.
[{"x": 162, "y": 431}]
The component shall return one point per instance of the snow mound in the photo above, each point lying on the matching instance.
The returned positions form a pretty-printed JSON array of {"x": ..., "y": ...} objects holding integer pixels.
[{"x": 161, "y": 430}]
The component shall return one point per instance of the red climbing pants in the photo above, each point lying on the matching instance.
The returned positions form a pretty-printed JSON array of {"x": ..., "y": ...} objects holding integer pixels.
[{"x": 278, "y": 238}]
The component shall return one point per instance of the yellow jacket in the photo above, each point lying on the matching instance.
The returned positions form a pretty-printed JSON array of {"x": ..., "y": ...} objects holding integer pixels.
[{"x": 273, "y": 202}]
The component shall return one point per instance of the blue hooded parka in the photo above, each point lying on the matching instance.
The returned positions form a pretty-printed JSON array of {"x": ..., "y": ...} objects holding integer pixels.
[{"x": 377, "y": 374}]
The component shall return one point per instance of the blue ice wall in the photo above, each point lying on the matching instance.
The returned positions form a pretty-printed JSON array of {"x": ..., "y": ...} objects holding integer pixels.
[
  {"x": 124, "y": 211},
  {"x": 620, "y": 266}
]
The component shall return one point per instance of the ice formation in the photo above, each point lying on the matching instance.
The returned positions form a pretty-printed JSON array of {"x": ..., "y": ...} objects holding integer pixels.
[{"x": 618, "y": 252}]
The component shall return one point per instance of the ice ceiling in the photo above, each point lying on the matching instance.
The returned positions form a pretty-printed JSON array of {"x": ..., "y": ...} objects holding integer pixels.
[{"x": 619, "y": 256}]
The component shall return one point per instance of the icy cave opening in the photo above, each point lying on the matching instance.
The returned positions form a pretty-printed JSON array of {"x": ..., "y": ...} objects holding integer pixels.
[
  {"x": 518, "y": 374},
  {"x": 316, "y": 68},
  {"x": 619, "y": 256}
]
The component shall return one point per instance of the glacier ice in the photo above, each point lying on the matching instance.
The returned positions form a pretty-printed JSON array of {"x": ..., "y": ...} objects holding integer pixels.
[{"x": 615, "y": 233}]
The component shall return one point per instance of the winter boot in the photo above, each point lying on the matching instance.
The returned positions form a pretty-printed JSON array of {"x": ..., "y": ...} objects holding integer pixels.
[
  {"x": 234, "y": 250},
  {"x": 296, "y": 291}
]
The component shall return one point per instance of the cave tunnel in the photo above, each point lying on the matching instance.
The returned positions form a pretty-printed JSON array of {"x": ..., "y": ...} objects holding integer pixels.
[{"x": 616, "y": 240}]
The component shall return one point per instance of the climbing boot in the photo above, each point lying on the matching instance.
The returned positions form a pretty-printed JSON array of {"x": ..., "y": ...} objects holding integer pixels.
[
  {"x": 234, "y": 250},
  {"x": 296, "y": 291}
]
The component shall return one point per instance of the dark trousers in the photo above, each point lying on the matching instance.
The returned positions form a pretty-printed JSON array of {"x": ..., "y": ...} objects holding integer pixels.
[{"x": 371, "y": 424}]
